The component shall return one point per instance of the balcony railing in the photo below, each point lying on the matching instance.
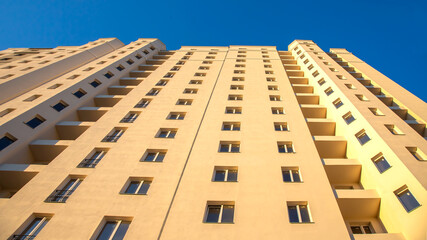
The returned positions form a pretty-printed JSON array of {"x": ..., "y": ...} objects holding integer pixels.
[{"x": 59, "y": 196}]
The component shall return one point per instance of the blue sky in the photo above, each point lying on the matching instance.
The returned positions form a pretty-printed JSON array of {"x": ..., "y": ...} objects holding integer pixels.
[{"x": 387, "y": 34}]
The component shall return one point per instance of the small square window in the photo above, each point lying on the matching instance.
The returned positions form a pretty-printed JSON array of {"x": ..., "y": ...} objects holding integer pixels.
[
  {"x": 200, "y": 74},
  {"x": 184, "y": 102},
  {"x": 203, "y": 68},
  {"x": 120, "y": 68},
  {"x": 222, "y": 213},
  {"x": 310, "y": 67},
  {"x": 362, "y": 137},
  {"x": 143, "y": 103},
  {"x": 291, "y": 174},
  {"x": 235, "y": 97},
  {"x": 333, "y": 69},
  {"x": 361, "y": 97},
  {"x": 269, "y": 72},
  {"x": 240, "y": 60},
  {"x": 271, "y": 79},
  {"x": 277, "y": 110},
  {"x": 102, "y": 62},
  {"x": 95, "y": 83},
  {"x": 240, "y": 65},
  {"x": 7, "y": 111},
  {"x": 130, "y": 117},
  {"x": 315, "y": 73},
  {"x": 79, "y": 93},
  {"x": 32, "y": 98},
  {"x": 299, "y": 212},
  {"x": 54, "y": 86},
  {"x": 329, "y": 91},
  {"x": 305, "y": 61},
  {"x": 167, "y": 133},
  {"x": 190, "y": 91},
  {"x": 341, "y": 77},
  {"x": 109, "y": 75},
  {"x": 417, "y": 153},
  {"x": 138, "y": 56},
  {"x": 275, "y": 98},
  {"x": 337, "y": 103},
  {"x": 6, "y": 140},
  {"x": 350, "y": 86},
  {"x": 230, "y": 126},
  {"x": 176, "y": 116},
  {"x": 273, "y": 87},
  {"x": 406, "y": 198},
  {"x": 154, "y": 155},
  {"x": 195, "y": 82},
  {"x": 239, "y": 71},
  {"x": 281, "y": 126},
  {"x": 348, "y": 118},
  {"x": 321, "y": 82},
  {"x": 238, "y": 79},
  {"x": 73, "y": 77},
  {"x": 60, "y": 106},
  {"x": 393, "y": 129},
  {"x": 233, "y": 110},
  {"x": 35, "y": 122},
  {"x": 129, "y": 61},
  {"x": 138, "y": 186},
  {"x": 380, "y": 162},
  {"x": 229, "y": 147},
  {"x": 285, "y": 147},
  {"x": 237, "y": 87},
  {"x": 376, "y": 111},
  {"x": 225, "y": 174}
]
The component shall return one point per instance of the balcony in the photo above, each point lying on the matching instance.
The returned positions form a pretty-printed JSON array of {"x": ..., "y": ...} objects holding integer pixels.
[
  {"x": 71, "y": 130},
  {"x": 145, "y": 67},
  {"x": 331, "y": 146},
  {"x": 45, "y": 151},
  {"x": 386, "y": 100},
  {"x": 374, "y": 90},
  {"x": 291, "y": 67},
  {"x": 295, "y": 73},
  {"x": 379, "y": 236},
  {"x": 155, "y": 61},
  {"x": 321, "y": 127},
  {"x": 417, "y": 125},
  {"x": 358, "y": 203},
  {"x": 342, "y": 170},
  {"x": 161, "y": 57},
  {"x": 289, "y": 61},
  {"x": 307, "y": 98},
  {"x": 119, "y": 90},
  {"x": 127, "y": 81},
  {"x": 302, "y": 88},
  {"x": 286, "y": 57},
  {"x": 298, "y": 80},
  {"x": 91, "y": 114},
  {"x": 140, "y": 74},
  {"x": 14, "y": 176},
  {"x": 106, "y": 100},
  {"x": 400, "y": 111},
  {"x": 313, "y": 111}
]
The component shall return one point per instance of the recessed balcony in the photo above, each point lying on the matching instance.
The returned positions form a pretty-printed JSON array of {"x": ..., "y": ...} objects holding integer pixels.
[{"x": 313, "y": 111}]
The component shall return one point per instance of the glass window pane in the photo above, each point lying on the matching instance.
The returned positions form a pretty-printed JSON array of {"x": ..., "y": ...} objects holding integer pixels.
[
  {"x": 286, "y": 176},
  {"x": 305, "y": 217},
  {"x": 367, "y": 229},
  {"x": 107, "y": 230},
  {"x": 227, "y": 127},
  {"x": 232, "y": 176},
  {"x": 160, "y": 157},
  {"x": 219, "y": 175},
  {"x": 121, "y": 231},
  {"x": 144, "y": 188},
  {"x": 281, "y": 148},
  {"x": 293, "y": 214},
  {"x": 163, "y": 134},
  {"x": 295, "y": 176},
  {"x": 32, "y": 226},
  {"x": 235, "y": 148},
  {"x": 408, "y": 200},
  {"x": 40, "y": 227},
  {"x": 150, "y": 157},
  {"x": 356, "y": 230},
  {"x": 236, "y": 127},
  {"x": 213, "y": 213},
  {"x": 132, "y": 187},
  {"x": 172, "y": 134},
  {"x": 227, "y": 214},
  {"x": 224, "y": 148},
  {"x": 382, "y": 164}
]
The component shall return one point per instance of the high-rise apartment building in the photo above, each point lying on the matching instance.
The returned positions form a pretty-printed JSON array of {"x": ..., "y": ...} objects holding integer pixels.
[{"x": 114, "y": 141}]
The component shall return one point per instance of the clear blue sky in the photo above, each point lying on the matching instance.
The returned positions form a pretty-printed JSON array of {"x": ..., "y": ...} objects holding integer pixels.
[{"x": 389, "y": 35}]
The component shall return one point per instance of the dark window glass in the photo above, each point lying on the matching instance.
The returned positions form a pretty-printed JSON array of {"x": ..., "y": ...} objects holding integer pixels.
[
  {"x": 220, "y": 175},
  {"x": 5, "y": 142},
  {"x": 59, "y": 106},
  {"x": 232, "y": 176},
  {"x": 133, "y": 186},
  {"x": 382, "y": 164},
  {"x": 144, "y": 188},
  {"x": 286, "y": 176},
  {"x": 356, "y": 230},
  {"x": 295, "y": 176},
  {"x": 31, "y": 227},
  {"x": 213, "y": 213},
  {"x": 305, "y": 217},
  {"x": 79, "y": 94},
  {"x": 108, "y": 75},
  {"x": 224, "y": 148},
  {"x": 367, "y": 229},
  {"x": 107, "y": 230},
  {"x": 293, "y": 214},
  {"x": 121, "y": 231},
  {"x": 33, "y": 123},
  {"x": 95, "y": 84},
  {"x": 227, "y": 214},
  {"x": 408, "y": 200}
]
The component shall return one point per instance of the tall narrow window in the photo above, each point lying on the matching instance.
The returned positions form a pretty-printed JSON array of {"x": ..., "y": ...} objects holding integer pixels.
[
  {"x": 299, "y": 213},
  {"x": 406, "y": 198},
  {"x": 285, "y": 147},
  {"x": 291, "y": 174},
  {"x": 93, "y": 159},
  {"x": 362, "y": 137},
  {"x": 33, "y": 229},
  {"x": 225, "y": 174},
  {"x": 153, "y": 155},
  {"x": 348, "y": 118},
  {"x": 138, "y": 186},
  {"x": 281, "y": 126},
  {"x": 114, "y": 230},
  {"x": 61, "y": 195},
  {"x": 114, "y": 136},
  {"x": 229, "y": 147},
  {"x": 221, "y": 213},
  {"x": 380, "y": 162},
  {"x": 130, "y": 117},
  {"x": 143, "y": 103}
]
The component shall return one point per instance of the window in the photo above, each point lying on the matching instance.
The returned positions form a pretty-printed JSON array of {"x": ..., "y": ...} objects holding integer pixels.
[
  {"x": 207, "y": 62},
  {"x": 176, "y": 68},
  {"x": 299, "y": 212},
  {"x": 184, "y": 102},
  {"x": 305, "y": 61},
  {"x": 138, "y": 56},
  {"x": 152, "y": 48},
  {"x": 271, "y": 79},
  {"x": 350, "y": 86},
  {"x": 237, "y": 87},
  {"x": 273, "y": 87},
  {"x": 277, "y": 110},
  {"x": 60, "y": 106},
  {"x": 33, "y": 229},
  {"x": 35, "y": 122},
  {"x": 195, "y": 82},
  {"x": 406, "y": 198},
  {"x": 362, "y": 97},
  {"x": 231, "y": 126},
  {"x": 176, "y": 116},
  {"x": 114, "y": 135},
  {"x": 6, "y": 140},
  {"x": 269, "y": 72},
  {"x": 210, "y": 57},
  {"x": 337, "y": 103},
  {"x": 32, "y": 98},
  {"x": 275, "y": 98},
  {"x": 114, "y": 229},
  {"x": 93, "y": 159},
  {"x": 241, "y": 56},
  {"x": 291, "y": 174},
  {"x": 162, "y": 83},
  {"x": 102, "y": 62},
  {"x": 5, "y": 112},
  {"x": 146, "y": 52},
  {"x": 169, "y": 75},
  {"x": 222, "y": 213},
  {"x": 138, "y": 186},
  {"x": 167, "y": 133},
  {"x": 362, "y": 137},
  {"x": 235, "y": 97},
  {"x": 120, "y": 68},
  {"x": 225, "y": 174},
  {"x": 230, "y": 147},
  {"x": 281, "y": 126},
  {"x": 348, "y": 118},
  {"x": 420, "y": 156},
  {"x": 73, "y": 77},
  {"x": 109, "y": 75},
  {"x": 310, "y": 67},
  {"x": 130, "y": 117},
  {"x": 55, "y": 86},
  {"x": 189, "y": 53},
  {"x": 79, "y": 93},
  {"x": 129, "y": 61},
  {"x": 339, "y": 76},
  {"x": 376, "y": 112},
  {"x": 153, "y": 92},
  {"x": 240, "y": 60},
  {"x": 239, "y": 71},
  {"x": 95, "y": 83},
  {"x": 190, "y": 91},
  {"x": 200, "y": 74},
  {"x": 203, "y": 68},
  {"x": 143, "y": 103},
  {"x": 285, "y": 147},
  {"x": 61, "y": 195},
  {"x": 152, "y": 155},
  {"x": 315, "y": 74},
  {"x": 238, "y": 79},
  {"x": 233, "y": 110},
  {"x": 393, "y": 129},
  {"x": 329, "y": 91},
  {"x": 6, "y": 76},
  {"x": 321, "y": 82},
  {"x": 363, "y": 228},
  {"x": 380, "y": 162},
  {"x": 240, "y": 65}
]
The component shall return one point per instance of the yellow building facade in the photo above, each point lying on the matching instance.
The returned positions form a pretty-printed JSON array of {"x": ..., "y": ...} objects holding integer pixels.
[{"x": 114, "y": 141}]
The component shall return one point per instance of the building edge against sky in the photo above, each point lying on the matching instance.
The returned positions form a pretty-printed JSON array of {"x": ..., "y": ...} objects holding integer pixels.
[{"x": 135, "y": 141}]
